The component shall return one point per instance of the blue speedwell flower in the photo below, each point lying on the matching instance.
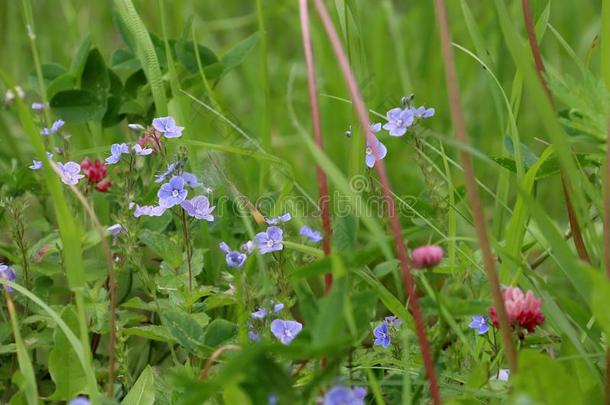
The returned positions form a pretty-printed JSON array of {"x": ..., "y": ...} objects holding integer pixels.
[
  {"x": 116, "y": 150},
  {"x": 339, "y": 395},
  {"x": 278, "y": 220},
  {"x": 160, "y": 178},
  {"x": 167, "y": 126},
  {"x": 423, "y": 112},
  {"x": 172, "y": 193},
  {"x": 56, "y": 126},
  {"x": 139, "y": 150},
  {"x": 260, "y": 313},
  {"x": 39, "y": 106},
  {"x": 116, "y": 229},
  {"x": 7, "y": 273},
  {"x": 191, "y": 180},
  {"x": 399, "y": 121},
  {"x": 393, "y": 320},
  {"x": 370, "y": 154},
  {"x": 148, "y": 211},
  {"x": 278, "y": 307},
  {"x": 234, "y": 258},
  {"x": 136, "y": 127},
  {"x": 479, "y": 322},
  {"x": 382, "y": 335},
  {"x": 285, "y": 331},
  {"x": 248, "y": 247},
  {"x": 37, "y": 164},
  {"x": 270, "y": 240},
  {"x": 70, "y": 173},
  {"x": 198, "y": 207},
  {"x": 312, "y": 235},
  {"x": 80, "y": 401}
]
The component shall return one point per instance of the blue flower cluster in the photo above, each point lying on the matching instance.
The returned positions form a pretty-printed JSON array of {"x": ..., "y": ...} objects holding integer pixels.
[
  {"x": 284, "y": 330},
  {"x": 382, "y": 332},
  {"x": 399, "y": 122}
]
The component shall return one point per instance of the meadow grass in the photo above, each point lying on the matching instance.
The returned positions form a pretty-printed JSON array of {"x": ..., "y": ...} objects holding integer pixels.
[{"x": 158, "y": 313}]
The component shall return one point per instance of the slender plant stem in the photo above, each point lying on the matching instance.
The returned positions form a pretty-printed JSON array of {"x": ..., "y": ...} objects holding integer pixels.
[
  {"x": 317, "y": 132},
  {"x": 457, "y": 116},
  {"x": 387, "y": 195},
  {"x": 189, "y": 247},
  {"x": 111, "y": 284},
  {"x": 531, "y": 36},
  {"x": 605, "y": 55}
]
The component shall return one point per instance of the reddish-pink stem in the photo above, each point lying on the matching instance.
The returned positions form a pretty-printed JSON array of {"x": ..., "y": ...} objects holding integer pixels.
[
  {"x": 387, "y": 195},
  {"x": 457, "y": 117},
  {"x": 317, "y": 132},
  {"x": 579, "y": 242}
]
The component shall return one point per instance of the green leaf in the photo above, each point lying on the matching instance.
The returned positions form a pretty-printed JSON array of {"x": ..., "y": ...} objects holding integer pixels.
[
  {"x": 186, "y": 55},
  {"x": 80, "y": 58},
  {"x": 163, "y": 246},
  {"x": 152, "y": 332},
  {"x": 64, "y": 366},
  {"x": 124, "y": 59},
  {"x": 95, "y": 75},
  {"x": 218, "y": 332},
  {"x": 345, "y": 229},
  {"x": 183, "y": 328},
  {"x": 143, "y": 391},
  {"x": 77, "y": 106},
  {"x": 544, "y": 380},
  {"x": 236, "y": 55},
  {"x": 66, "y": 81}
]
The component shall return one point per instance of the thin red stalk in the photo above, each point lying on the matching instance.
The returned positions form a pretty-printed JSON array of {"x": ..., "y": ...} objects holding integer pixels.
[
  {"x": 317, "y": 132},
  {"x": 401, "y": 251},
  {"x": 457, "y": 117},
  {"x": 531, "y": 36}
]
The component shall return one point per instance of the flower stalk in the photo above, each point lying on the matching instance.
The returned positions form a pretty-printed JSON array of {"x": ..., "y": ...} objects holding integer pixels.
[
  {"x": 401, "y": 251},
  {"x": 317, "y": 131},
  {"x": 457, "y": 117}
]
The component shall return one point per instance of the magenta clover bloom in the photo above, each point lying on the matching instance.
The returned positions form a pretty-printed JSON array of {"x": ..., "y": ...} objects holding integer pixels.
[
  {"x": 148, "y": 210},
  {"x": 427, "y": 256},
  {"x": 285, "y": 331},
  {"x": 382, "y": 335},
  {"x": 70, "y": 173},
  {"x": 198, "y": 207},
  {"x": 234, "y": 258},
  {"x": 56, "y": 126},
  {"x": 116, "y": 150},
  {"x": 167, "y": 126},
  {"x": 7, "y": 273},
  {"x": 270, "y": 240},
  {"x": 312, "y": 235},
  {"x": 278, "y": 220},
  {"x": 172, "y": 193},
  {"x": 479, "y": 323},
  {"x": 139, "y": 150},
  {"x": 339, "y": 395},
  {"x": 370, "y": 154},
  {"x": 399, "y": 121},
  {"x": 160, "y": 178}
]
